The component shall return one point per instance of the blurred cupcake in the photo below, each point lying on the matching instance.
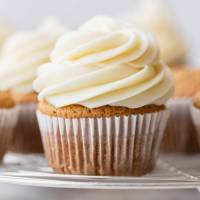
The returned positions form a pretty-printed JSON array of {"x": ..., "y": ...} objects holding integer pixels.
[
  {"x": 102, "y": 111},
  {"x": 195, "y": 112},
  {"x": 21, "y": 55},
  {"x": 8, "y": 119},
  {"x": 180, "y": 134},
  {"x": 154, "y": 16}
]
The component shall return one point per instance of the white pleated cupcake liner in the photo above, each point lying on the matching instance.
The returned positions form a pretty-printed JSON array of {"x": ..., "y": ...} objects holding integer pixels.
[
  {"x": 180, "y": 134},
  {"x": 8, "y": 120},
  {"x": 123, "y": 146},
  {"x": 195, "y": 113},
  {"x": 27, "y": 137}
]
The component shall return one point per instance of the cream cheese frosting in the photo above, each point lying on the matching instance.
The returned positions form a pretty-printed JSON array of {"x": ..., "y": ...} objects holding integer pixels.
[
  {"x": 21, "y": 55},
  {"x": 106, "y": 64},
  {"x": 154, "y": 16}
]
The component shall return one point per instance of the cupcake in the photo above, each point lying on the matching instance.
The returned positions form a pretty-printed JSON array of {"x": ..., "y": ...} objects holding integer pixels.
[
  {"x": 195, "y": 112},
  {"x": 154, "y": 16},
  {"x": 180, "y": 135},
  {"x": 103, "y": 111},
  {"x": 8, "y": 119},
  {"x": 22, "y": 53}
]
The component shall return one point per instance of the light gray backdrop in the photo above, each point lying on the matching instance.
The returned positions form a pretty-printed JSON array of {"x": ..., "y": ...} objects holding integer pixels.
[{"x": 27, "y": 13}]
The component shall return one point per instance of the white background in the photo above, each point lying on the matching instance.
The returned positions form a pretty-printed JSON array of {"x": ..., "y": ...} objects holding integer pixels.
[{"x": 27, "y": 13}]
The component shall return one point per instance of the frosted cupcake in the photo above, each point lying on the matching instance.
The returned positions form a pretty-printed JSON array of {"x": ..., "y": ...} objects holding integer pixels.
[
  {"x": 180, "y": 135},
  {"x": 21, "y": 55},
  {"x": 103, "y": 112},
  {"x": 8, "y": 119},
  {"x": 154, "y": 16}
]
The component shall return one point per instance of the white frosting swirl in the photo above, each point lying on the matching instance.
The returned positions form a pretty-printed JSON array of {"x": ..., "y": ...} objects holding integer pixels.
[
  {"x": 21, "y": 55},
  {"x": 113, "y": 66}
]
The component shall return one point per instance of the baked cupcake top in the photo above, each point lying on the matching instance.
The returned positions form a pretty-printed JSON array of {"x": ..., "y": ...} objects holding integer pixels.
[
  {"x": 22, "y": 53},
  {"x": 187, "y": 82},
  {"x": 6, "y": 100},
  {"x": 105, "y": 64},
  {"x": 154, "y": 16}
]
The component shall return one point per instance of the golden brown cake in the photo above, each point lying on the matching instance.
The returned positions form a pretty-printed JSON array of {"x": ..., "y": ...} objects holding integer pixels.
[
  {"x": 78, "y": 111},
  {"x": 25, "y": 98},
  {"x": 6, "y": 100},
  {"x": 187, "y": 82}
]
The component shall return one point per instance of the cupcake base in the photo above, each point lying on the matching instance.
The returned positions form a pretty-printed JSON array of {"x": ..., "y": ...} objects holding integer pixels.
[
  {"x": 195, "y": 112},
  {"x": 110, "y": 146},
  {"x": 27, "y": 137},
  {"x": 8, "y": 119},
  {"x": 180, "y": 134}
]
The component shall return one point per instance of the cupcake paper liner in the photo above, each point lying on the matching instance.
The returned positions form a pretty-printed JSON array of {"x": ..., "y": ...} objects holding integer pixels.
[
  {"x": 180, "y": 134},
  {"x": 195, "y": 112},
  {"x": 8, "y": 120},
  {"x": 120, "y": 146},
  {"x": 27, "y": 137}
]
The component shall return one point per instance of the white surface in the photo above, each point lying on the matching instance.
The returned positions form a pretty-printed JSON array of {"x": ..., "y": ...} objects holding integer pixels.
[
  {"x": 12, "y": 192},
  {"x": 174, "y": 172}
]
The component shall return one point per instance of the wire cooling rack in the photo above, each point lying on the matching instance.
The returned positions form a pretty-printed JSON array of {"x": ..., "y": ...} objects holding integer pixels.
[{"x": 172, "y": 172}]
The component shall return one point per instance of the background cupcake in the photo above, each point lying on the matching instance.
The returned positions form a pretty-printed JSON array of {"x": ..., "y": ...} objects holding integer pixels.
[
  {"x": 195, "y": 112},
  {"x": 154, "y": 16},
  {"x": 102, "y": 112},
  {"x": 21, "y": 55},
  {"x": 8, "y": 119},
  {"x": 180, "y": 134}
]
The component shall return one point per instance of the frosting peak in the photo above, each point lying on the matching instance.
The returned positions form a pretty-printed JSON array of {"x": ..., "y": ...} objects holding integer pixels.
[
  {"x": 112, "y": 64},
  {"x": 103, "y": 48}
]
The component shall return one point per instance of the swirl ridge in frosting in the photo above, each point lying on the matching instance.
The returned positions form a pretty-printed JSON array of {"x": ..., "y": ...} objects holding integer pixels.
[{"x": 115, "y": 65}]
